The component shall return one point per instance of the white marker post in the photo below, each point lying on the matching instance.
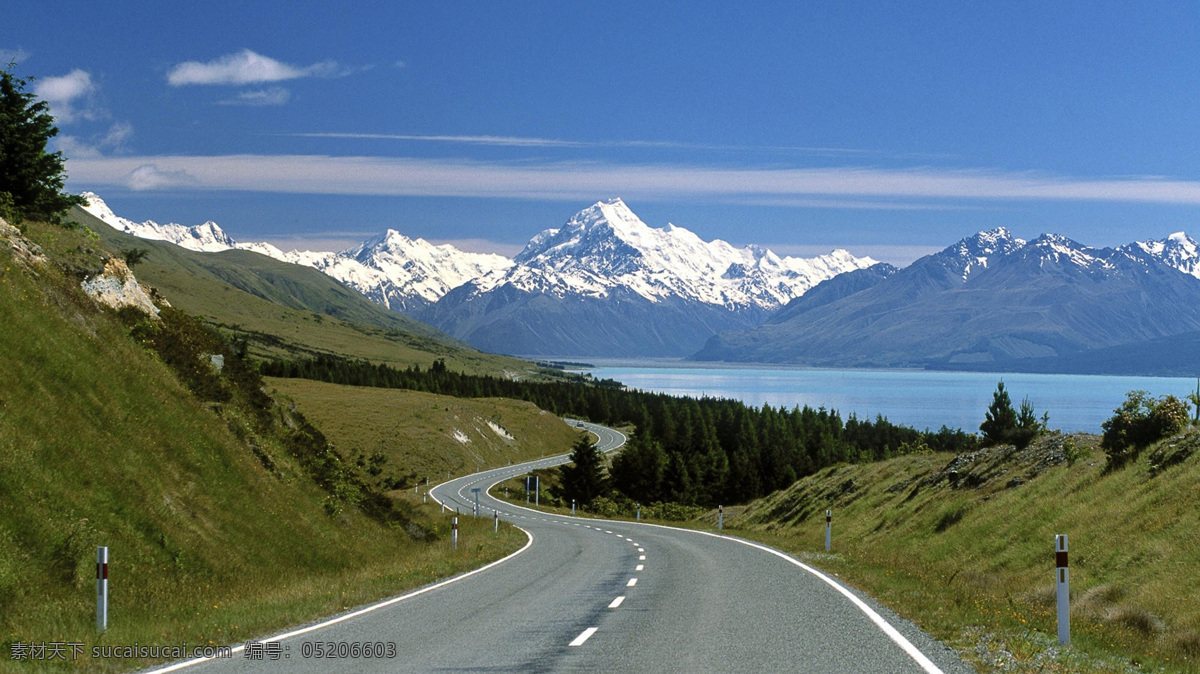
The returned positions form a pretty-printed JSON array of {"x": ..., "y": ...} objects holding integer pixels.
[
  {"x": 454, "y": 535},
  {"x": 639, "y": 512},
  {"x": 828, "y": 529},
  {"x": 425, "y": 497},
  {"x": 101, "y": 588},
  {"x": 537, "y": 489},
  {"x": 572, "y": 506},
  {"x": 720, "y": 518},
  {"x": 527, "y": 490},
  {"x": 496, "y": 528},
  {"x": 1064, "y": 589}
]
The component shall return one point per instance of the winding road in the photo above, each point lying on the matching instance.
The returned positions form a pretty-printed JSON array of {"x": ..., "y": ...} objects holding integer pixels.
[{"x": 589, "y": 595}]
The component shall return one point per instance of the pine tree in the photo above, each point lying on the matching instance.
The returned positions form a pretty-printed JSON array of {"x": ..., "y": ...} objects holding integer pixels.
[
  {"x": 583, "y": 479},
  {"x": 1000, "y": 419},
  {"x": 31, "y": 179}
]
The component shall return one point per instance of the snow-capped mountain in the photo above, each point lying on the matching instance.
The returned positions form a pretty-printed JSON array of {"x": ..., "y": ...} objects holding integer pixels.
[
  {"x": 607, "y": 246},
  {"x": 990, "y": 301},
  {"x": 398, "y": 272},
  {"x": 1177, "y": 250},
  {"x": 208, "y": 237},
  {"x": 606, "y": 283}
]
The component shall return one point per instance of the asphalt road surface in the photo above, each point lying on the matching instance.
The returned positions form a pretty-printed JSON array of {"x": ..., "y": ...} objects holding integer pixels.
[{"x": 596, "y": 596}]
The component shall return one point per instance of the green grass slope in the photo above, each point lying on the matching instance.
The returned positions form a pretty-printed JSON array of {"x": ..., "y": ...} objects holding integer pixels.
[
  {"x": 100, "y": 444},
  {"x": 964, "y": 547},
  {"x": 425, "y": 435},
  {"x": 286, "y": 310}
]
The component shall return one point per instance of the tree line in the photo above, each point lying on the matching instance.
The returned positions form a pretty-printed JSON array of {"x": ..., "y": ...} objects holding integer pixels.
[{"x": 701, "y": 451}]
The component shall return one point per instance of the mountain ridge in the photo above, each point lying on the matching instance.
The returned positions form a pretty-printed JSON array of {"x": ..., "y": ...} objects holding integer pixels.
[{"x": 1007, "y": 304}]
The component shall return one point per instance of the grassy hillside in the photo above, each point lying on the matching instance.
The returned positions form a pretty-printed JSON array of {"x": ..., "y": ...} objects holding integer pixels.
[
  {"x": 964, "y": 546},
  {"x": 219, "y": 523},
  {"x": 425, "y": 435},
  {"x": 286, "y": 310}
]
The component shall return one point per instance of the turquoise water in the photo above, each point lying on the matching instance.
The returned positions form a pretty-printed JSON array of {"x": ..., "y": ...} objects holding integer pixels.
[{"x": 918, "y": 398}]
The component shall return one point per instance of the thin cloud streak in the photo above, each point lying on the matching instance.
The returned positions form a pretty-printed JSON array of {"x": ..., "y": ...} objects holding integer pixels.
[
  {"x": 524, "y": 141},
  {"x": 383, "y": 176},
  {"x": 244, "y": 67}
]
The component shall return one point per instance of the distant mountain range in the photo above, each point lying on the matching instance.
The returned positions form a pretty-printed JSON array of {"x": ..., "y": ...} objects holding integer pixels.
[
  {"x": 607, "y": 284},
  {"x": 604, "y": 284},
  {"x": 995, "y": 302}
]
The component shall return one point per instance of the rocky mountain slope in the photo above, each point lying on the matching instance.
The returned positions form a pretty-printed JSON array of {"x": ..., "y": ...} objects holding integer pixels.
[
  {"x": 989, "y": 301},
  {"x": 607, "y": 284}
]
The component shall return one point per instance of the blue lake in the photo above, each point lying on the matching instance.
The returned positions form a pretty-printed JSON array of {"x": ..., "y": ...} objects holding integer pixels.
[{"x": 918, "y": 398}]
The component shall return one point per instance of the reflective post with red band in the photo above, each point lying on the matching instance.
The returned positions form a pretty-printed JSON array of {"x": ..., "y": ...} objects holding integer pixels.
[
  {"x": 1063, "y": 580},
  {"x": 828, "y": 529},
  {"x": 454, "y": 535},
  {"x": 101, "y": 588}
]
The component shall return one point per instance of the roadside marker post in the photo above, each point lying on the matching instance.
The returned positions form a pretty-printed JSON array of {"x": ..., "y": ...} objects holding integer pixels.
[
  {"x": 1063, "y": 578},
  {"x": 828, "y": 529},
  {"x": 476, "y": 491},
  {"x": 639, "y": 512},
  {"x": 720, "y": 518},
  {"x": 101, "y": 588},
  {"x": 425, "y": 497},
  {"x": 496, "y": 527},
  {"x": 537, "y": 489},
  {"x": 454, "y": 535},
  {"x": 572, "y": 507},
  {"x": 527, "y": 490}
]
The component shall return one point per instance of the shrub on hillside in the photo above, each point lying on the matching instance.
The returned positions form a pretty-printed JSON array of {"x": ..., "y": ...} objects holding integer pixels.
[
  {"x": 1139, "y": 422},
  {"x": 1004, "y": 425}
]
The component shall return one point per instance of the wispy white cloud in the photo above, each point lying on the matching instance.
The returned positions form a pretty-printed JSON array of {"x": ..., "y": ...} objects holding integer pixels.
[
  {"x": 320, "y": 174},
  {"x": 261, "y": 97},
  {"x": 112, "y": 140},
  {"x": 151, "y": 177},
  {"x": 527, "y": 141},
  {"x": 8, "y": 56},
  {"x": 245, "y": 67},
  {"x": 71, "y": 96}
]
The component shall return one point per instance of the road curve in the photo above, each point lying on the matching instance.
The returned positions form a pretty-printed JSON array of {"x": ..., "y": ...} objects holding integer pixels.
[{"x": 591, "y": 595}]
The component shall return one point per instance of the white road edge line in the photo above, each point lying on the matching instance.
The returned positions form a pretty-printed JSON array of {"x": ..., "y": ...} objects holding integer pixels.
[
  {"x": 355, "y": 614},
  {"x": 886, "y": 627},
  {"x": 583, "y": 636}
]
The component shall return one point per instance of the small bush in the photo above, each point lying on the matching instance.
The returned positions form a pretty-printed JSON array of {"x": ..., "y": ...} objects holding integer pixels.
[{"x": 1139, "y": 422}]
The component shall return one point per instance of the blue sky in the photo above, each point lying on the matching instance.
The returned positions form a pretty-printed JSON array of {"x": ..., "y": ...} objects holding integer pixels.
[{"x": 891, "y": 129}]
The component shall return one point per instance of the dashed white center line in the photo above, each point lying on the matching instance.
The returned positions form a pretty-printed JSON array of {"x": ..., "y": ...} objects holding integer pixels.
[
  {"x": 608, "y": 532},
  {"x": 617, "y": 602},
  {"x": 631, "y": 583},
  {"x": 629, "y": 539},
  {"x": 639, "y": 567},
  {"x": 641, "y": 558},
  {"x": 583, "y": 636},
  {"x": 641, "y": 550}
]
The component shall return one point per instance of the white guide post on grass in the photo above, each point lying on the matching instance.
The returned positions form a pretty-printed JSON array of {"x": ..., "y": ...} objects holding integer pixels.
[
  {"x": 475, "y": 513},
  {"x": 639, "y": 512},
  {"x": 1063, "y": 581},
  {"x": 454, "y": 535},
  {"x": 720, "y": 518},
  {"x": 496, "y": 526},
  {"x": 537, "y": 489},
  {"x": 572, "y": 506},
  {"x": 102, "y": 588},
  {"x": 828, "y": 529}
]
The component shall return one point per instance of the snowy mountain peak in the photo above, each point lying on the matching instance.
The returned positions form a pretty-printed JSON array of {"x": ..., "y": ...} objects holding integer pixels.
[
  {"x": 1177, "y": 250},
  {"x": 208, "y": 237},
  {"x": 973, "y": 253},
  {"x": 606, "y": 247}
]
